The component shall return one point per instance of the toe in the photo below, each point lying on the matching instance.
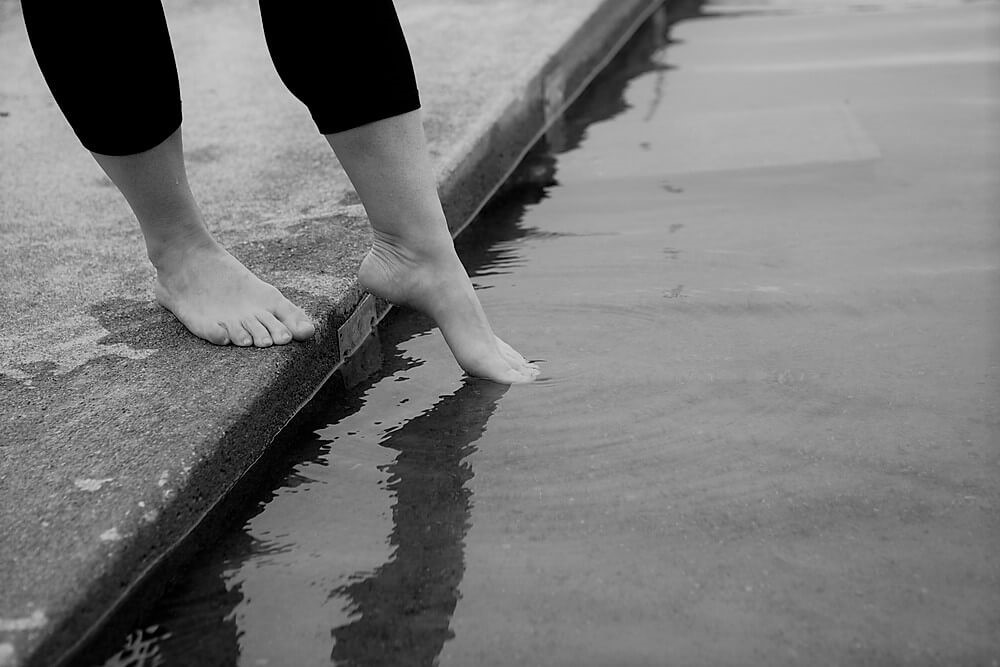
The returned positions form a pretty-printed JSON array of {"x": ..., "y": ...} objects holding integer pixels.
[
  {"x": 238, "y": 335},
  {"x": 215, "y": 334},
  {"x": 496, "y": 368},
  {"x": 519, "y": 362},
  {"x": 515, "y": 360},
  {"x": 519, "y": 376},
  {"x": 261, "y": 337},
  {"x": 278, "y": 331},
  {"x": 295, "y": 320}
]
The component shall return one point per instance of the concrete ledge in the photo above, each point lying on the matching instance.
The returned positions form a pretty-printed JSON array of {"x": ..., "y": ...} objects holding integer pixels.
[{"x": 119, "y": 432}]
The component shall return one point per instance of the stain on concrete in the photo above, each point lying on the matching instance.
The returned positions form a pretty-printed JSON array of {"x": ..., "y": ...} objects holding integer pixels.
[
  {"x": 111, "y": 535},
  {"x": 26, "y": 373},
  {"x": 38, "y": 619},
  {"x": 61, "y": 347},
  {"x": 91, "y": 485},
  {"x": 350, "y": 198},
  {"x": 141, "y": 325}
]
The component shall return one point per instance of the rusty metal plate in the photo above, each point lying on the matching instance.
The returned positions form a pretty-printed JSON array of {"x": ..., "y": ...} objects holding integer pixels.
[{"x": 359, "y": 325}]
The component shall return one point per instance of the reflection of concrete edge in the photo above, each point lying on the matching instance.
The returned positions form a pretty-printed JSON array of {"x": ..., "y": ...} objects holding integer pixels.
[
  {"x": 478, "y": 168},
  {"x": 482, "y": 165}
]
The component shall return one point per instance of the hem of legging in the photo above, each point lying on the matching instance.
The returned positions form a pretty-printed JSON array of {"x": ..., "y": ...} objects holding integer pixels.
[
  {"x": 387, "y": 112},
  {"x": 121, "y": 149}
]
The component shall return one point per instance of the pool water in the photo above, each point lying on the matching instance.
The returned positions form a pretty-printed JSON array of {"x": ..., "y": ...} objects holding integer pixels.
[{"x": 757, "y": 263}]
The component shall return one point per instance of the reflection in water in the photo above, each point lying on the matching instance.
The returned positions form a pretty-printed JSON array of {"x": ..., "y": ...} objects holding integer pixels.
[
  {"x": 194, "y": 624},
  {"x": 405, "y": 606},
  {"x": 402, "y": 611}
]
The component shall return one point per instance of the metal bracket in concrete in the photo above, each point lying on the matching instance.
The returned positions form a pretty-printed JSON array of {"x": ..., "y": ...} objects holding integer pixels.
[{"x": 353, "y": 332}]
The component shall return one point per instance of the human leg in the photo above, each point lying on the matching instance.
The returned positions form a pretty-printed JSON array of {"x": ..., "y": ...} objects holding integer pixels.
[
  {"x": 206, "y": 288},
  {"x": 119, "y": 91},
  {"x": 413, "y": 260},
  {"x": 378, "y": 136}
]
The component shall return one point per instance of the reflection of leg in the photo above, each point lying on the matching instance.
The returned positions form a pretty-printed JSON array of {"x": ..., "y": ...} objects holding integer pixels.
[
  {"x": 209, "y": 291},
  {"x": 370, "y": 116},
  {"x": 110, "y": 67},
  {"x": 405, "y": 607}
]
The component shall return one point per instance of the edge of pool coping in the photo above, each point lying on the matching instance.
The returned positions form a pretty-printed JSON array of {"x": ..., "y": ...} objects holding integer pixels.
[{"x": 479, "y": 169}]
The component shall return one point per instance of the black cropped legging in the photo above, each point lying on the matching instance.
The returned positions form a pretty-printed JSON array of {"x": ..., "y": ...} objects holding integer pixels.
[{"x": 110, "y": 65}]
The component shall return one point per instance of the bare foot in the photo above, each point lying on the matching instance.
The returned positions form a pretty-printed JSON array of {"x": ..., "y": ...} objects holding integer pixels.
[
  {"x": 220, "y": 300},
  {"x": 433, "y": 281}
]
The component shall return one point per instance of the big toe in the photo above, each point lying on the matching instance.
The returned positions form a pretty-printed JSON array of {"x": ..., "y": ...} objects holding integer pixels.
[
  {"x": 499, "y": 370},
  {"x": 296, "y": 320},
  {"x": 519, "y": 376},
  {"x": 515, "y": 360},
  {"x": 215, "y": 334},
  {"x": 302, "y": 329}
]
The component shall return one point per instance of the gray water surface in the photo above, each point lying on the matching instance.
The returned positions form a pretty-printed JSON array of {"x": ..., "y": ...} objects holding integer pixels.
[{"x": 759, "y": 267}]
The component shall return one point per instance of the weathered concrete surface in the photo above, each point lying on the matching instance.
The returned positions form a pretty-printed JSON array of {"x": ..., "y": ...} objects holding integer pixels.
[{"x": 118, "y": 430}]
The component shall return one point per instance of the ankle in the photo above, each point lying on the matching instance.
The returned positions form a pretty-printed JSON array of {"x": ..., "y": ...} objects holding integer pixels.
[
  {"x": 414, "y": 248},
  {"x": 167, "y": 251}
]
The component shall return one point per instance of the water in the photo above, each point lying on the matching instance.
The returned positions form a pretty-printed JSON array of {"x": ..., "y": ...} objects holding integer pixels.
[{"x": 758, "y": 265}]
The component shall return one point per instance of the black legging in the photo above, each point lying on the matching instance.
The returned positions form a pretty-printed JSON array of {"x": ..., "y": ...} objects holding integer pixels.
[{"x": 110, "y": 65}]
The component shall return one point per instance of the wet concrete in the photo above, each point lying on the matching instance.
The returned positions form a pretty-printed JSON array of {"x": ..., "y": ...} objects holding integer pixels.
[
  {"x": 118, "y": 430},
  {"x": 760, "y": 270}
]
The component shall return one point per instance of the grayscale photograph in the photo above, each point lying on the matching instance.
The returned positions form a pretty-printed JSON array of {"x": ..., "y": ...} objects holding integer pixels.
[{"x": 527, "y": 333}]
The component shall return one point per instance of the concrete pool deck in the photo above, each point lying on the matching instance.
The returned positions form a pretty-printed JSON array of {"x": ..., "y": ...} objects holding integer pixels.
[{"x": 118, "y": 430}]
